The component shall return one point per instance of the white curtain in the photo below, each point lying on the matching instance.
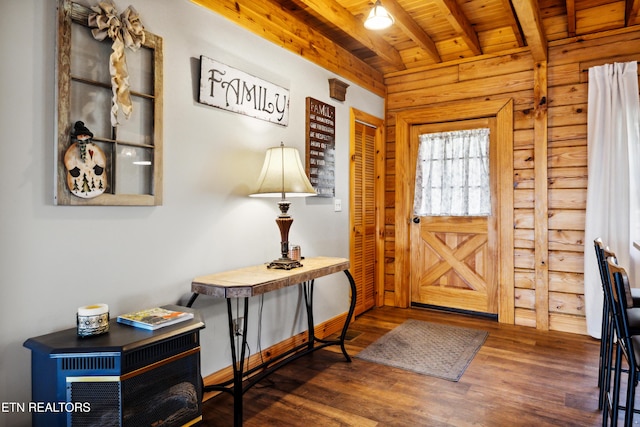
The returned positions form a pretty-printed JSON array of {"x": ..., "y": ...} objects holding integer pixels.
[
  {"x": 452, "y": 174},
  {"x": 613, "y": 138}
]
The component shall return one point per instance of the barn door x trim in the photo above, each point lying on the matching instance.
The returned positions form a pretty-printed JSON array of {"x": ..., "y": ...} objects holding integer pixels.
[{"x": 503, "y": 112}]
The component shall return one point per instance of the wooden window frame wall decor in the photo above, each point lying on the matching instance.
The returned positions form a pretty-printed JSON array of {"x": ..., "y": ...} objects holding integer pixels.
[{"x": 143, "y": 135}]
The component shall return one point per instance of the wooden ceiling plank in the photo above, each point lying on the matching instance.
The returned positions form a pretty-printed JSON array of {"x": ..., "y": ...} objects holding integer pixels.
[
  {"x": 298, "y": 38},
  {"x": 513, "y": 22},
  {"x": 342, "y": 18},
  {"x": 571, "y": 17},
  {"x": 632, "y": 7},
  {"x": 528, "y": 14},
  {"x": 458, "y": 20},
  {"x": 411, "y": 28}
]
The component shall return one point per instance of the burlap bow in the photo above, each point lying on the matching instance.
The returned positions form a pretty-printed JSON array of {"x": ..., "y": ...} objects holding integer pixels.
[{"x": 125, "y": 30}]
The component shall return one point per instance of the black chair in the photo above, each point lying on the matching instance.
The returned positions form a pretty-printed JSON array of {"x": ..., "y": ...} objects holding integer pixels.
[
  {"x": 607, "y": 337},
  {"x": 627, "y": 346}
]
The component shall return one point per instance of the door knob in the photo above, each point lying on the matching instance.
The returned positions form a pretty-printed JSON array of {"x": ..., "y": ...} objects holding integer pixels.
[{"x": 416, "y": 220}]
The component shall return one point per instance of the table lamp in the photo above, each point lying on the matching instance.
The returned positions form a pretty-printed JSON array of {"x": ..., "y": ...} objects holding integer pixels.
[{"x": 283, "y": 175}]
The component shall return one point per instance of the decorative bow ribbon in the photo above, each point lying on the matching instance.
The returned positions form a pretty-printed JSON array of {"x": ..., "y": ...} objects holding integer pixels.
[{"x": 125, "y": 30}]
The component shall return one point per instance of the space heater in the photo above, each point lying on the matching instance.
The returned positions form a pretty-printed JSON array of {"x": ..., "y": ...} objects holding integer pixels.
[{"x": 127, "y": 377}]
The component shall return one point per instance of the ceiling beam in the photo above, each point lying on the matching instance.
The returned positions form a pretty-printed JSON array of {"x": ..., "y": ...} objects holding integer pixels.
[
  {"x": 411, "y": 28},
  {"x": 270, "y": 22},
  {"x": 461, "y": 24},
  {"x": 571, "y": 17},
  {"x": 528, "y": 14},
  {"x": 631, "y": 12},
  {"x": 334, "y": 12}
]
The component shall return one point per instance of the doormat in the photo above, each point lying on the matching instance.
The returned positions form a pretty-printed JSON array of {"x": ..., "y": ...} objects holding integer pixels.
[{"x": 433, "y": 349}]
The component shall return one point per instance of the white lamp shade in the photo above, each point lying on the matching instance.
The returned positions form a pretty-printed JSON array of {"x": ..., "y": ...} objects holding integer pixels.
[
  {"x": 378, "y": 18},
  {"x": 283, "y": 175}
]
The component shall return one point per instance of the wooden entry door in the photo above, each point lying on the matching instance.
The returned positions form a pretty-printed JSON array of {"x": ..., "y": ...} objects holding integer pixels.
[{"x": 454, "y": 259}]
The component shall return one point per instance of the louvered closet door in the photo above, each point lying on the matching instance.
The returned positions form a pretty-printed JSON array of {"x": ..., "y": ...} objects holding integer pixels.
[{"x": 363, "y": 215}]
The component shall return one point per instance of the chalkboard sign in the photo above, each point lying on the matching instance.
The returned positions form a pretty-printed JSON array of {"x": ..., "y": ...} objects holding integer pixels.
[{"x": 321, "y": 130}]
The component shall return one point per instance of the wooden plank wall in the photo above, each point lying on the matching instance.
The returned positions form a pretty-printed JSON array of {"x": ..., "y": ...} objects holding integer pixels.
[{"x": 512, "y": 76}]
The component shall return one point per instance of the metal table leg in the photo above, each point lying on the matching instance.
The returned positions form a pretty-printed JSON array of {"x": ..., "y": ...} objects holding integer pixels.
[
  {"x": 237, "y": 363},
  {"x": 308, "y": 297},
  {"x": 307, "y": 288},
  {"x": 192, "y": 299},
  {"x": 352, "y": 308}
]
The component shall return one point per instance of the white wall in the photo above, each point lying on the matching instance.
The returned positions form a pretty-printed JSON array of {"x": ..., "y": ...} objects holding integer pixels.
[{"x": 148, "y": 255}]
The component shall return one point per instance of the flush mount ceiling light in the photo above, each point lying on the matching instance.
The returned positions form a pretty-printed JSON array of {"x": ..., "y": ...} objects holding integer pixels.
[{"x": 378, "y": 18}]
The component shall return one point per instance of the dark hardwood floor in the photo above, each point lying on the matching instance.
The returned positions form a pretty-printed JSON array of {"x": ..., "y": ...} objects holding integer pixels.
[{"x": 520, "y": 377}]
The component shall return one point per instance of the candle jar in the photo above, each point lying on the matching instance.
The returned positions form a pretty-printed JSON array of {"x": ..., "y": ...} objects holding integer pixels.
[
  {"x": 294, "y": 252},
  {"x": 92, "y": 320}
]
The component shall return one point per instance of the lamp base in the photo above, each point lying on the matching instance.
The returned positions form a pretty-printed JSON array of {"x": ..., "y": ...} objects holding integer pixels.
[{"x": 284, "y": 264}]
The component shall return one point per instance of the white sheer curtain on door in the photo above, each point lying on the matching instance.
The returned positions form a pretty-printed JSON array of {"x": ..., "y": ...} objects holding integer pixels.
[
  {"x": 452, "y": 174},
  {"x": 613, "y": 138}
]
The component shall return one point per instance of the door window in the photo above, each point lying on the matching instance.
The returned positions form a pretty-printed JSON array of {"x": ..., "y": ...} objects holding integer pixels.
[{"x": 452, "y": 174}]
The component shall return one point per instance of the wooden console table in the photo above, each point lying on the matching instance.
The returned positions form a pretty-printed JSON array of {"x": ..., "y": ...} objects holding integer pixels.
[{"x": 252, "y": 281}]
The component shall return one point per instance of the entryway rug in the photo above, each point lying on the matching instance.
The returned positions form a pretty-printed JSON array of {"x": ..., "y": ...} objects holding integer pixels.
[{"x": 427, "y": 348}]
